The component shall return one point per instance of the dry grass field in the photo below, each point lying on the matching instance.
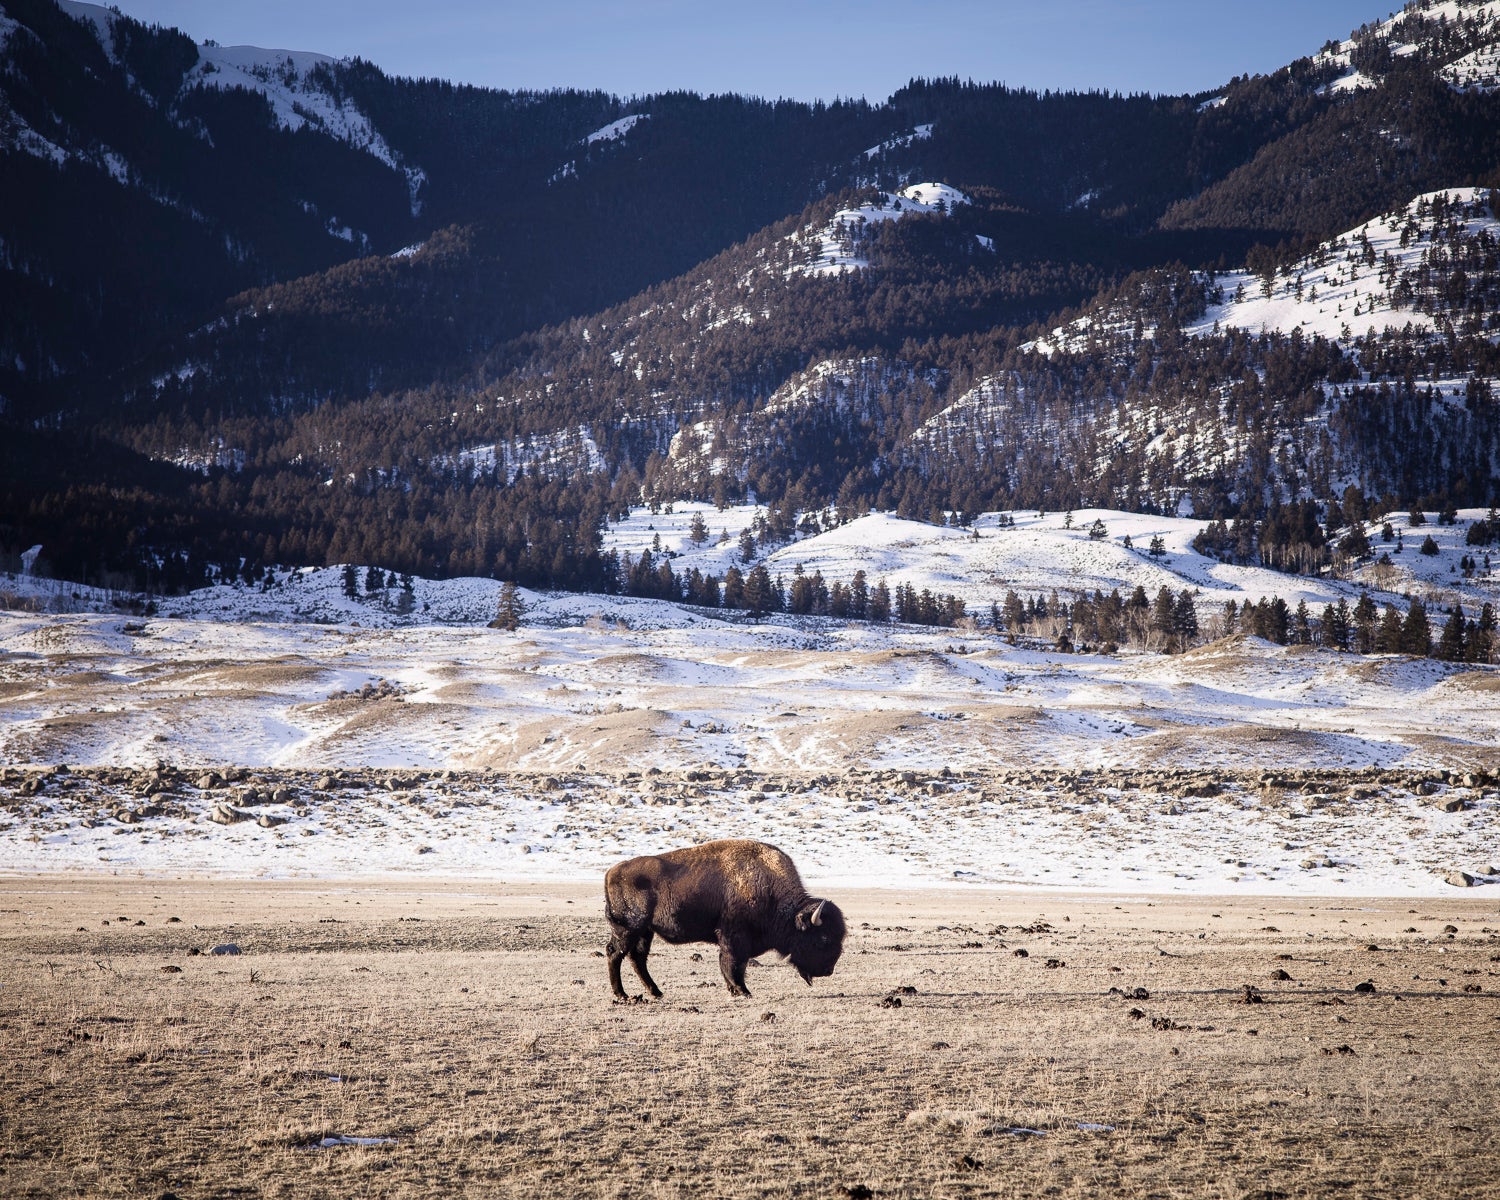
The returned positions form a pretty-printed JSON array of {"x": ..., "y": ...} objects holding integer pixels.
[{"x": 471, "y": 1026}]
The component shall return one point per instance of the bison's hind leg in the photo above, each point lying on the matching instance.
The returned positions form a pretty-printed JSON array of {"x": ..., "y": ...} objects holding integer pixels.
[
  {"x": 615, "y": 953},
  {"x": 639, "y": 947}
]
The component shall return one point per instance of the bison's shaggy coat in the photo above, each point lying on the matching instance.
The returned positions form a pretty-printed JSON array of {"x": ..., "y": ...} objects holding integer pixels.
[{"x": 746, "y": 897}]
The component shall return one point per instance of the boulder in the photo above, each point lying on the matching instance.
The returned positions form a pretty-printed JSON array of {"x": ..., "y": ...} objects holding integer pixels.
[
  {"x": 226, "y": 814},
  {"x": 1459, "y": 879}
]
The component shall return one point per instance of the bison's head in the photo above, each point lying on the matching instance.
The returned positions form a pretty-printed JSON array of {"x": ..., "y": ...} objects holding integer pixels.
[{"x": 820, "y": 939}]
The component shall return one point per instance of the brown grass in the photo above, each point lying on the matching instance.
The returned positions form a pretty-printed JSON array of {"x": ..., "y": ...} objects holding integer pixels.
[{"x": 480, "y": 1038}]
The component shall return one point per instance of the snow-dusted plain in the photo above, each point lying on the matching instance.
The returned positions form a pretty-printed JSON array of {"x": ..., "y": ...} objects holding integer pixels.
[{"x": 607, "y": 726}]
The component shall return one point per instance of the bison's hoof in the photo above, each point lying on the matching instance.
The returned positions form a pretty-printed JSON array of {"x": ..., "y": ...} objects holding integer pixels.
[{"x": 630, "y": 1000}]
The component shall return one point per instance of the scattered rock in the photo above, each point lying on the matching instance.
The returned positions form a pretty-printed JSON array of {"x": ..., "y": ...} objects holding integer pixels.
[
  {"x": 1459, "y": 879},
  {"x": 891, "y": 1002},
  {"x": 1367, "y": 988},
  {"x": 1280, "y": 976},
  {"x": 170, "y": 969},
  {"x": 1054, "y": 963},
  {"x": 1449, "y": 804},
  {"x": 226, "y": 814},
  {"x": 1332, "y": 1050},
  {"x": 768, "y": 1017},
  {"x": 225, "y": 948},
  {"x": 1020, "y": 954}
]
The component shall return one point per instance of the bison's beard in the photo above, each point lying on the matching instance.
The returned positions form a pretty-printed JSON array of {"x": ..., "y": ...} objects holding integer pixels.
[{"x": 815, "y": 951}]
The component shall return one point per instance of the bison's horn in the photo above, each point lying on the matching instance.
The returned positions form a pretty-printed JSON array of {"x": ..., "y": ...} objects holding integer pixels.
[{"x": 817, "y": 913}]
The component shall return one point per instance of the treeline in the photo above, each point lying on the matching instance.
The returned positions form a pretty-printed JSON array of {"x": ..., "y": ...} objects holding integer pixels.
[
  {"x": 755, "y": 591},
  {"x": 1172, "y": 622}
]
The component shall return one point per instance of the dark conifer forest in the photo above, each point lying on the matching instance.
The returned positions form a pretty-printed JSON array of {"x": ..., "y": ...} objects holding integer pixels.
[{"x": 308, "y": 313}]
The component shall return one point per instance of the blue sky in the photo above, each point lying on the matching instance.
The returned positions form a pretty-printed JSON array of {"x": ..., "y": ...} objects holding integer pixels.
[{"x": 805, "y": 49}]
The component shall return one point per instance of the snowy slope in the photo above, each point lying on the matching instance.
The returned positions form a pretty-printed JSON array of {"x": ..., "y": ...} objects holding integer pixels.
[
  {"x": 836, "y": 247},
  {"x": 829, "y": 716},
  {"x": 1344, "y": 290},
  {"x": 1457, "y": 37},
  {"x": 295, "y": 84},
  {"x": 616, "y": 129}
]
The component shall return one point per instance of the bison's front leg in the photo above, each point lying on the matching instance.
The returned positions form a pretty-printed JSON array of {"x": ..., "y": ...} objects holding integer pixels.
[
  {"x": 639, "y": 948},
  {"x": 732, "y": 960}
]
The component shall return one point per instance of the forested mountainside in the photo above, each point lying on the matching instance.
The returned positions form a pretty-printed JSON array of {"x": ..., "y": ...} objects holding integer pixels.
[{"x": 270, "y": 306}]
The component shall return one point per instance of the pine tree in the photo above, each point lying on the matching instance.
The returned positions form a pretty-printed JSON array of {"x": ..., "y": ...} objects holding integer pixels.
[
  {"x": 510, "y": 609},
  {"x": 1014, "y": 613},
  {"x": 1416, "y": 634},
  {"x": 1337, "y": 625},
  {"x": 760, "y": 592},
  {"x": 698, "y": 530},
  {"x": 1479, "y": 645},
  {"x": 734, "y": 588},
  {"x": 1365, "y": 615},
  {"x": 1388, "y": 637},
  {"x": 1301, "y": 626},
  {"x": 859, "y": 596},
  {"x": 1450, "y": 647},
  {"x": 351, "y": 581},
  {"x": 1164, "y": 613},
  {"x": 1185, "y": 617}
]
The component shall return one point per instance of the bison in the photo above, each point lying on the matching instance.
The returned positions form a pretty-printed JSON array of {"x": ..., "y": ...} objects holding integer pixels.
[{"x": 744, "y": 896}]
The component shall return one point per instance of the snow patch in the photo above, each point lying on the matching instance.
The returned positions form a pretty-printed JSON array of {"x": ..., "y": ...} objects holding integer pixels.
[
  {"x": 1341, "y": 291},
  {"x": 836, "y": 247},
  {"x": 616, "y": 130},
  {"x": 901, "y": 141}
]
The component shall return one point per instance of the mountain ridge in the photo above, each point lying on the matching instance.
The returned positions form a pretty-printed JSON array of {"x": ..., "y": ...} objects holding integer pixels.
[{"x": 575, "y": 292}]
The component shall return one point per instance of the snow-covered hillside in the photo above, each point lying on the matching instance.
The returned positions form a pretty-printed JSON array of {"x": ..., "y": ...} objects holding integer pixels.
[
  {"x": 1458, "y": 37},
  {"x": 1041, "y": 553},
  {"x": 611, "y": 682},
  {"x": 894, "y": 754},
  {"x": 1030, "y": 553},
  {"x": 296, "y": 84},
  {"x": 1384, "y": 274},
  {"x": 836, "y": 246}
]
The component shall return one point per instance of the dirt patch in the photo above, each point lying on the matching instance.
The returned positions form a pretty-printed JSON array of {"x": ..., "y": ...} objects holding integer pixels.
[
  {"x": 1474, "y": 681},
  {"x": 599, "y": 742}
]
